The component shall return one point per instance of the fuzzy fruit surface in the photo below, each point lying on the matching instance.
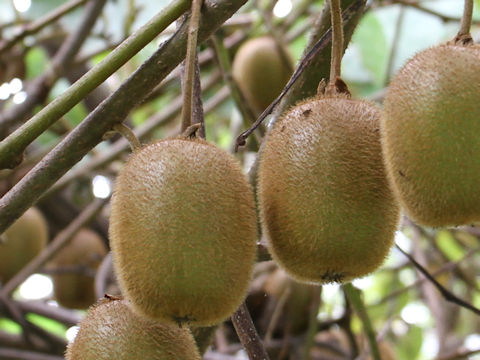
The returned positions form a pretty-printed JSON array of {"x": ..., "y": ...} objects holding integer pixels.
[
  {"x": 326, "y": 206},
  {"x": 75, "y": 290},
  {"x": 430, "y": 135},
  {"x": 260, "y": 71},
  {"x": 111, "y": 330},
  {"x": 183, "y": 232},
  {"x": 24, "y": 240}
]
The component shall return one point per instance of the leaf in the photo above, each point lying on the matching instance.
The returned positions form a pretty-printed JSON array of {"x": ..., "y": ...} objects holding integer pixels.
[
  {"x": 449, "y": 246},
  {"x": 10, "y": 326},
  {"x": 372, "y": 43},
  {"x": 48, "y": 324},
  {"x": 409, "y": 345}
]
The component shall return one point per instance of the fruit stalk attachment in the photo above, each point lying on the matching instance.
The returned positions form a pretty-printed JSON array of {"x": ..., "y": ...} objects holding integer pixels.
[
  {"x": 248, "y": 334},
  {"x": 463, "y": 36},
  {"x": 337, "y": 44},
  {"x": 188, "y": 85},
  {"x": 128, "y": 134}
]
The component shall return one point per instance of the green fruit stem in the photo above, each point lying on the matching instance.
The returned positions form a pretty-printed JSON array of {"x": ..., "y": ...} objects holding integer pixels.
[
  {"x": 466, "y": 20},
  {"x": 337, "y": 41},
  {"x": 188, "y": 84}
]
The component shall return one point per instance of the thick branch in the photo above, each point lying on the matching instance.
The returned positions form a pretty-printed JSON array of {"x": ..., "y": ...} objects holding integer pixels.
[
  {"x": 113, "y": 110},
  {"x": 16, "y": 143}
]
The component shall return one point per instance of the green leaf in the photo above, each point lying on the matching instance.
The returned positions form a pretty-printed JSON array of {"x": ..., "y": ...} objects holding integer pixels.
[
  {"x": 37, "y": 61},
  {"x": 409, "y": 345},
  {"x": 48, "y": 324},
  {"x": 371, "y": 41},
  {"x": 10, "y": 326},
  {"x": 449, "y": 246}
]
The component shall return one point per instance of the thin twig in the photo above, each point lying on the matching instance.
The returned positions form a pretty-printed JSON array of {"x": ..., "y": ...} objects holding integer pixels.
[
  {"x": 6, "y": 353},
  {"x": 353, "y": 295},
  {"x": 312, "y": 323},
  {"x": 395, "y": 44},
  {"x": 190, "y": 64},
  {"x": 248, "y": 334},
  {"x": 39, "y": 24},
  {"x": 449, "y": 296},
  {"x": 60, "y": 241}
]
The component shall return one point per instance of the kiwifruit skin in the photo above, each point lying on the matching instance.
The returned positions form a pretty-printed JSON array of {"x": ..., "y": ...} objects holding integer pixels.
[
  {"x": 25, "y": 239},
  {"x": 260, "y": 71},
  {"x": 111, "y": 330},
  {"x": 183, "y": 232},
  {"x": 430, "y": 141},
  {"x": 325, "y": 203},
  {"x": 76, "y": 291}
]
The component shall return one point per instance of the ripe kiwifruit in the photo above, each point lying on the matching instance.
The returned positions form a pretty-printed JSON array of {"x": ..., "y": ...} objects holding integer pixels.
[
  {"x": 73, "y": 287},
  {"x": 183, "y": 232},
  {"x": 21, "y": 242},
  {"x": 430, "y": 135},
  {"x": 325, "y": 203},
  {"x": 111, "y": 330},
  {"x": 261, "y": 71}
]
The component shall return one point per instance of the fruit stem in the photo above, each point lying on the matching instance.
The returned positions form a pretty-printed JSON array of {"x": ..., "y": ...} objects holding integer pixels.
[
  {"x": 353, "y": 295},
  {"x": 188, "y": 83},
  {"x": 128, "y": 134},
  {"x": 247, "y": 334},
  {"x": 464, "y": 32},
  {"x": 337, "y": 42}
]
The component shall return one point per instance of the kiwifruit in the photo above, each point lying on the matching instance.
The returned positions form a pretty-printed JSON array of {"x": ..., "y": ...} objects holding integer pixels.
[
  {"x": 261, "y": 71},
  {"x": 111, "y": 330},
  {"x": 73, "y": 287},
  {"x": 430, "y": 135},
  {"x": 325, "y": 203},
  {"x": 21, "y": 242},
  {"x": 183, "y": 232}
]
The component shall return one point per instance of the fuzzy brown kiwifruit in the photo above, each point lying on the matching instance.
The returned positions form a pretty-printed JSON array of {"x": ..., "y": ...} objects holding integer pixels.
[
  {"x": 261, "y": 71},
  {"x": 325, "y": 203},
  {"x": 430, "y": 139},
  {"x": 21, "y": 242},
  {"x": 78, "y": 261},
  {"x": 111, "y": 330},
  {"x": 183, "y": 232}
]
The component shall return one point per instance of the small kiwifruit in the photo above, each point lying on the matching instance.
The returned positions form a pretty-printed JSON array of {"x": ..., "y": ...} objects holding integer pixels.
[
  {"x": 21, "y": 242},
  {"x": 261, "y": 71},
  {"x": 111, "y": 330},
  {"x": 183, "y": 232},
  {"x": 430, "y": 135},
  {"x": 73, "y": 287},
  {"x": 326, "y": 206}
]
